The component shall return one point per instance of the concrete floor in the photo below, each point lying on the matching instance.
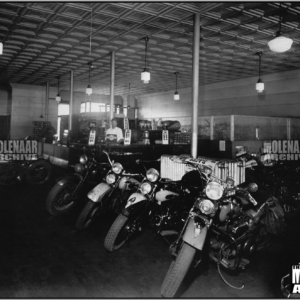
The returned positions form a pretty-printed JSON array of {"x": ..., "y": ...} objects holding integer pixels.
[{"x": 44, "y": 256}]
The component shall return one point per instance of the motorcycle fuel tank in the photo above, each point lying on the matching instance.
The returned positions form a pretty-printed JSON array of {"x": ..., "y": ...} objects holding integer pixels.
[
  {"x": 165, "y": 195},
  {"x": 192, "y": 179},
  {"x": 123, "y": 184},
  {"x": 135, "y": 198}
]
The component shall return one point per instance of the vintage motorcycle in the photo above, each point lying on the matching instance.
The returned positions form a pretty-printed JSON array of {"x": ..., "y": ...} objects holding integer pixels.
[
  {"x": 278, "y": 178},
  {"x": 111, "y": 194},
  {"x": 69, "y": 189},
  {"x": 33, "y": 172},
  {"x": 158, "y": 202},
  {"x": 225, "y": 219}
]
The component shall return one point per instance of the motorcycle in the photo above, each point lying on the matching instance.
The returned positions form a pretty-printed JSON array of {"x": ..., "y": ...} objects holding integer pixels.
[
  {"x": 224, "y": 219},
  {"x": 33, "y": 172},
  {"x": 277, "y": 177},
  {"x": 158, "y": 202},
  {"x": 108, "y": 195},
  {"x": 69, "y": 189}
]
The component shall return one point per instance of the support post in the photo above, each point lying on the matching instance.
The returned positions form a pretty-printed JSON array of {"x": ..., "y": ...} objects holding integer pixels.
[
  {"x": 112, "y": 84},
  {"x": 71, "y": 101},
  {"x": 195, "y": 92},
  {"x": 47, "y": 101}
]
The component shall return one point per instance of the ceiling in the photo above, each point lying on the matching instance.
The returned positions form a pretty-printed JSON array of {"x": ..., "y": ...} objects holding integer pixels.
[{"x": 45, "y": 40}]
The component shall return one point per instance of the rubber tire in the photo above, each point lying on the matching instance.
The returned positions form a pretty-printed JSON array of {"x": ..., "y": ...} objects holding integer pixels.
[
  {"x": 38, "y": 164},
  {"x": 178, "y": 271},
  {"x": 52, "y": 197},
  {"x": 115, "y": 229},
  {"x": 84, "y": 217}
]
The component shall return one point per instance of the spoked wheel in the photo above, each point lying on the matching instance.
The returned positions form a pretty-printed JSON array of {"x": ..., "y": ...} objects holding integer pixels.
[
  {"x": 39, "y": 172},
  {"x": 88, "y": 215},
  {"x": 177, "y": 271},
  {"x": 60, "y": 200},
  {"x": 121, "y": 230}
]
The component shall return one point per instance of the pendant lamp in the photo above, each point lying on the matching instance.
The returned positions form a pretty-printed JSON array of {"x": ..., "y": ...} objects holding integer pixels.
[
  {"x": 58, "y": 97},
  {"x": 145, "y": 75},
  {"x": 260, "y": 86},
  {"x": 176, "y": 95},
  {"x": 89, "y": 89}
]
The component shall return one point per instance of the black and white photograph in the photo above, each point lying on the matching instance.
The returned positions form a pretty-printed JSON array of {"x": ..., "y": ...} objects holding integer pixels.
[{"x": 149, "y": 149}]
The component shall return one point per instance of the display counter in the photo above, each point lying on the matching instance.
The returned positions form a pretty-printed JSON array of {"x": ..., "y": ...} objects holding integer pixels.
[{"x": 62, "y": 155}]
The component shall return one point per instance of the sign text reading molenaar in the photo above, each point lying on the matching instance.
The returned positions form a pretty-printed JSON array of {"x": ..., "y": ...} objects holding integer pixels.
[
  {"x": 283, "y": 149},
  {"x": 18, "y": 150}
]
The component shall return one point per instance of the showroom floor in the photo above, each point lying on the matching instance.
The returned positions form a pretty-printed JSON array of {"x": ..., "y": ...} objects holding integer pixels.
[{"x": 44, "y": 256}]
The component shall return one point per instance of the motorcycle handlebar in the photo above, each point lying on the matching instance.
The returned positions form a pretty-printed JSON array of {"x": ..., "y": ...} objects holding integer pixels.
[
  {"x": 130, "y": 174},
  {"x": 107, "y": 157}
]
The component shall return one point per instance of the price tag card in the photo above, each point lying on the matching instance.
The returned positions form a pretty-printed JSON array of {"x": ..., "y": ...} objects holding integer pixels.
[
  {"x": 127, "y": 139},
  {"x": 126, "y": 123},
  {"x": 92, "y": 137},
  {"x": 165, "y": 137}
]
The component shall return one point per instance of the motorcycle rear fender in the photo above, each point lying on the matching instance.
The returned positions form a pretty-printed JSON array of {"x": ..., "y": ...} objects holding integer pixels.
[
  {"x": 69, "y": 178},
  {"x": 97, "y": 193},
  {"x": 134, "y": 199},
  {"x": 196, "y": 241}
]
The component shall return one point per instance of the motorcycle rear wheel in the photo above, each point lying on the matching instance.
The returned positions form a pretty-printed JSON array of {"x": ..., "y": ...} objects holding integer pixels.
[
  {"x": 177, "y": 271},
  {"x": 39, "y": 172},
  {"x": 59, "y": 200},
  {"x": 87, "y": 215}
]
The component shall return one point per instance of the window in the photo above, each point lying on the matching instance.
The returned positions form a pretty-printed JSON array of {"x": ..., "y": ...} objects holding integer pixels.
[
  {"x": 63, "y": 109},
  {"x": 82, "y": 107}
]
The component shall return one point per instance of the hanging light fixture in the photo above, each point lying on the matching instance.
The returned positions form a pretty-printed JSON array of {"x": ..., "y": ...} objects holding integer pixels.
[
  {"x": 176, "y": 95},
  {"x": 145, "y": 75},
  {"x": 89, "y": 89},
  {"x": 281, "y": 43},
  {"x": 1, "y": 48},
  {"x": 260, "y": 86},
  {"x": 58, "y": 97}
]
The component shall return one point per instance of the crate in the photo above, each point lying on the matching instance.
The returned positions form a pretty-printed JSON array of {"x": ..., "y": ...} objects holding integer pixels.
[{"x": 175, "y": 171}]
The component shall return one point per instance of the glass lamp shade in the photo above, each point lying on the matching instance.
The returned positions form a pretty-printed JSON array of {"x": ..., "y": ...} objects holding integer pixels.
[
  {"x": 280, "y": 44},
  {"x": 145, "y": 76},
  {"x": 260, "y": 86},
  {"x": 58, "y": 98},
  {"x": 1, "y": 48},
  {"x": 176, "y": 96},
  {"x": 89, "y": 90}
]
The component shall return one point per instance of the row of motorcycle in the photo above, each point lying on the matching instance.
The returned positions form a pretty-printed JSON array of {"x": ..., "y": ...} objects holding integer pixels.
[{"x": 198, "y": 214}]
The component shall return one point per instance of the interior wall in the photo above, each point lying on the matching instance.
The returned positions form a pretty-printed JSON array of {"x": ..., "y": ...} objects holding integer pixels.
[
  {"x": 28, "y": 103},
  {"x": 235, "y": 97},
  {"x": 3, "y": 100}
]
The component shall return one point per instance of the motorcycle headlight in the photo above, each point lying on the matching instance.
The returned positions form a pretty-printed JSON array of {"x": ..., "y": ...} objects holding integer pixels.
[
  {"x": 214, "y": 190},
  {"x": 78, "y": 168},
  {"x": 145, "y": 188},
  {"x": 117, "y": 168},
  {"x": 207, "y": 170},
  {"x": 230, "y": 181},
  {"x": 83, "y": 159},
  {"x": 152, "y": 175},
  {"x": 111, "y": 178},
  {"x": 206, "y": 207}
]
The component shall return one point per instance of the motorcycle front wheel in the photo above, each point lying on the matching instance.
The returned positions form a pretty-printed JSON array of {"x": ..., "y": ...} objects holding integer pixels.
[
  {"x": 177, "y": 271},
  {"x": 118, "y": 233},
  {"x": 60, "y": 200},
  {"x": 39, "y": 173},
  {"x": 87, "y": 215}
]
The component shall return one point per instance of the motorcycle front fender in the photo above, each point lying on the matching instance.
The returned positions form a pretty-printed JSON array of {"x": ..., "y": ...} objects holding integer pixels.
[
  {"x": 195, "y": 240},
  {"x": 69, "y": 178},
  {"x": 97, "y": 193},
  {"x": 134, "y": 199}
]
